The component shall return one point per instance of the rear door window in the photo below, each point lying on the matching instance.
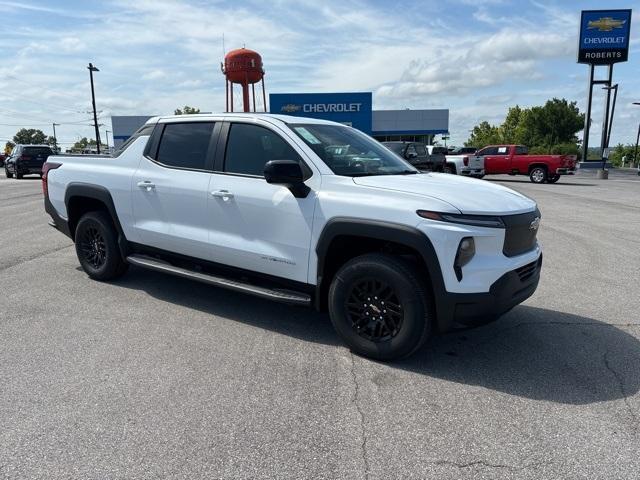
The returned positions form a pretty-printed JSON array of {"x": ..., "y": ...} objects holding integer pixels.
[
  {"x": 503, "y": 150},
  {"x": 37, "y": 151},
  {"x": 185, "y": 145},
  {"x": 250, "y": 147}
]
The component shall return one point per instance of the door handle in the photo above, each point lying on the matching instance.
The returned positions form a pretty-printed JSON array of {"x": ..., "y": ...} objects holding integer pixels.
[
  {"x": 226, "y": 195},
  {"x": 147, "y": 185}
]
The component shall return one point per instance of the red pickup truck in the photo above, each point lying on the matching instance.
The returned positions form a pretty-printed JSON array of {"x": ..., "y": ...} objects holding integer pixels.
[{"x": 515, "y": 160}]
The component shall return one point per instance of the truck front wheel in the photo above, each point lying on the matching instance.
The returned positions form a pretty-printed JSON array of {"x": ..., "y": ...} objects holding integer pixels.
[
  {"x": 97, "y": 247},
  {"x": 538, "y": 175},
  {"x": 380, "y": 306}
]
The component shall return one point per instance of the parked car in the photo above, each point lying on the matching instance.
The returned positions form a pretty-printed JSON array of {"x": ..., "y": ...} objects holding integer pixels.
[
  {"x": 415, "y": 153},
  {"x": 3, "y": 157},
  {"x": 466, "y": 165},
  {"x": 306, "y": 212},
  {"x": 27, "y": 160},
  {"x": 515, "y": 160}
]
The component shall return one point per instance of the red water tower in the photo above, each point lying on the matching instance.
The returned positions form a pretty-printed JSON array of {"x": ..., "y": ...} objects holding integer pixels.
[{"x": 243, "y": 66}]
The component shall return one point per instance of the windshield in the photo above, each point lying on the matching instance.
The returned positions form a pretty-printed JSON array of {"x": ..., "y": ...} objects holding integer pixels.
[{"x": 349, "y": 152}]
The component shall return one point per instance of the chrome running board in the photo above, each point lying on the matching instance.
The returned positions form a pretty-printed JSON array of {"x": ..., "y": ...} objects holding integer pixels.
[{"x": 280, "y": 295}]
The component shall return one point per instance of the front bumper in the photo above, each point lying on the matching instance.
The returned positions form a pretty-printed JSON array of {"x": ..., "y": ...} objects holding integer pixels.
[{"x": 464, "y": 310}]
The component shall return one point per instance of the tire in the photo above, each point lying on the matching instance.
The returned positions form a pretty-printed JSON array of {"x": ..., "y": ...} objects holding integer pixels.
[
  {"x": 538, "y": 175},
  {"x": 353, "y": 298},
  {"x": 450, "y": 168},
  {"x": 97, "y": 247},
  {"x": 18, "y": 175},
  {"x": 553, "y": 179},
  {"x": 8, "y": 173}
]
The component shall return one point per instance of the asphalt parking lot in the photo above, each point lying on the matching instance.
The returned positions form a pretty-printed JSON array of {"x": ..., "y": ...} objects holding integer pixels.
[{"x": 158, "y": 377}]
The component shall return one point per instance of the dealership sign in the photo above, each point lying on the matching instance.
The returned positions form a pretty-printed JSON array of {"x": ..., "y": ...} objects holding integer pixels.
[
  {"x": 350, "y": 108},
  {"x": 604, "y": 36}
]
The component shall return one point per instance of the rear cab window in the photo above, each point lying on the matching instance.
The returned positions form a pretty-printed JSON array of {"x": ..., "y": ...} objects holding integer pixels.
[{"x": 185, "y": 145}]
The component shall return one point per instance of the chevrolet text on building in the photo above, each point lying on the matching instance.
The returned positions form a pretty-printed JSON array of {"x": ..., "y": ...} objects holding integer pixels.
[
  {"x": 302, "y": 211},
  {"x": 331, "y": 107}
]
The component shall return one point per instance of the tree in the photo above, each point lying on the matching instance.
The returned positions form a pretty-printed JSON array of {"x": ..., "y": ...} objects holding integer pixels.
[
  {"x": 8, "y": 147},
  {"x": 509, "y": 129},
  {"x": 30, "y": 136},
  {"x": 483, "y": 134},
  {"x": 84, "y": 143},
  {"x": 551, "y": 126},
  {"x": 187, "y": 110}
]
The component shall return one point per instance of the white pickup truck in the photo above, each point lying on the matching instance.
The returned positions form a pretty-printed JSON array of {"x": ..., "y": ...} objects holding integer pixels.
[
  {"x": 467, "y": 164},
  {"x": 306, "y": 212}
]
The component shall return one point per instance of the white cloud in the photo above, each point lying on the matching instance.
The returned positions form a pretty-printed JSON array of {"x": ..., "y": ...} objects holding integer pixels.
[{"x": 156, "y": 74}]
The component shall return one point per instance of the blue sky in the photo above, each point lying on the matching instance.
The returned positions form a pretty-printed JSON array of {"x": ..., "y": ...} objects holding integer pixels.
[{"x": 475, "y": 57}]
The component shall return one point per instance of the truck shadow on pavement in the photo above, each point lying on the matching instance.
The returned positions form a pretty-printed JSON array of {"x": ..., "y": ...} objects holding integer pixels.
[
  {"x": 538, "y": 354},
  {"x": 530, "y": 352}
]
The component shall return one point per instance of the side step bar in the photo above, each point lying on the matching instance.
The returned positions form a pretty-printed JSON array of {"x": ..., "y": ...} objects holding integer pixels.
[{"x": 280, "y": 295}]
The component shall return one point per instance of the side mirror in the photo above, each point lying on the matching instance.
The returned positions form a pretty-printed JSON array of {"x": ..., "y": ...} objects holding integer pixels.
[{"x": 287, "y": 173}]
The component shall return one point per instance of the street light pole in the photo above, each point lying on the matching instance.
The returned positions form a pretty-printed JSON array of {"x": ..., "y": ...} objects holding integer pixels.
[
  {"x": 93, "y": 101},
  {"x": 55, "y": 139},
  {"x": 106, "y": 135}
]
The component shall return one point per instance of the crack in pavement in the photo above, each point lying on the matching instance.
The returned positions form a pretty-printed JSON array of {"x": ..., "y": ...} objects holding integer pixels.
[
  {"x": 621, "y": 386},
  {"x": 354, "y": 400},
  {"x": 487, "y": 464},
  {"x": 20, "y": 261}
]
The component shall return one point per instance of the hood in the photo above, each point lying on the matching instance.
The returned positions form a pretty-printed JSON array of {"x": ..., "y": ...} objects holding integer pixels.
[{"x": 468, "y": 195}]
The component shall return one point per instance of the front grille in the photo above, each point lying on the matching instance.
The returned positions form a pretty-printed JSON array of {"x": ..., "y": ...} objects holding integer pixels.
[
  {"x": 519, "y": 236},
  {"x": 528, "y": 271}
]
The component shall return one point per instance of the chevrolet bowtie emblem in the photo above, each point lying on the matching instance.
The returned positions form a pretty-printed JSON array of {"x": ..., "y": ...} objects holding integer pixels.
[{"x": 605, "y": 24}]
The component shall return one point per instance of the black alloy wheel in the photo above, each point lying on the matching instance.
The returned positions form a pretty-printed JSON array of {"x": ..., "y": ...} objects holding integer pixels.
[
  {"x": 374, "y": 309},
  {"x": 381, "y": 305},
  {"x": 97, "y": 247},
  {"x": 93, "y": 248}
]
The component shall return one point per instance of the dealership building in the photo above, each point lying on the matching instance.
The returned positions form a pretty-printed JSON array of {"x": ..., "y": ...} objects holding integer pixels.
[{"x": 353, "y": 108}]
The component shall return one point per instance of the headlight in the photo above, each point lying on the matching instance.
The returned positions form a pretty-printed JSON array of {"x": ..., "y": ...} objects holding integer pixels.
[
  {"x": 476, "y": 220},
  {"x": 466, "y": 251}
]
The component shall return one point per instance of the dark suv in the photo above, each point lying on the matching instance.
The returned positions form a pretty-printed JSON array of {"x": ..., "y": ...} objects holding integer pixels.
[
  {"x": 27, "y": 160},
  {"x": 416, "y": 154}
]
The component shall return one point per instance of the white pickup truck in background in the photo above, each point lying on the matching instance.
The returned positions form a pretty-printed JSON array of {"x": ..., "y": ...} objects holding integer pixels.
[
  {"x": 306, "y": 212},
  {"x": 467, "y": 164}
]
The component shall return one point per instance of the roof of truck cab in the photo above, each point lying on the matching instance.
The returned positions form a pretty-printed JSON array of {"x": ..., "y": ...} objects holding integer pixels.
[{"x": 249, "y": 116}]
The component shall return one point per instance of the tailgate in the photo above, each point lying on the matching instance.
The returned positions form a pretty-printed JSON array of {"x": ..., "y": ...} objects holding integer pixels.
[{"x": 476, "y": 163}]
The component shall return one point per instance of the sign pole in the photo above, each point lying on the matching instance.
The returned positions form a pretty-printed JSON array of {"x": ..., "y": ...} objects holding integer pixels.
[
  {"x": 587, "y": 118},
  {"x": 605, "y": 120}
]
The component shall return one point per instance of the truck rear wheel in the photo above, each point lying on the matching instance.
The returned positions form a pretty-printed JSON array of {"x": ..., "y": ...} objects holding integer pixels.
[
  {"x": 553, "y": 178},
  {"x": 538, "y": 175},
  {"x": 7, "y": 172},
  {"x": 97, "y": 247},
  {"x": 380, "y": 306}
]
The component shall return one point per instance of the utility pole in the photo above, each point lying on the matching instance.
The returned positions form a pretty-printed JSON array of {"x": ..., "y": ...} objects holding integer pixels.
[
  {"x": 93, "y": 101},
  {"x": 106, "y": 134},
  {"x": 55, "y": 138}
]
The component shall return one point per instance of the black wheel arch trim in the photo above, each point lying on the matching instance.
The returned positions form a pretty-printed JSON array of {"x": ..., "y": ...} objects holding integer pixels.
[
  {"x": 100, "y": 193},
  {"x": 392, "y": 232}
]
